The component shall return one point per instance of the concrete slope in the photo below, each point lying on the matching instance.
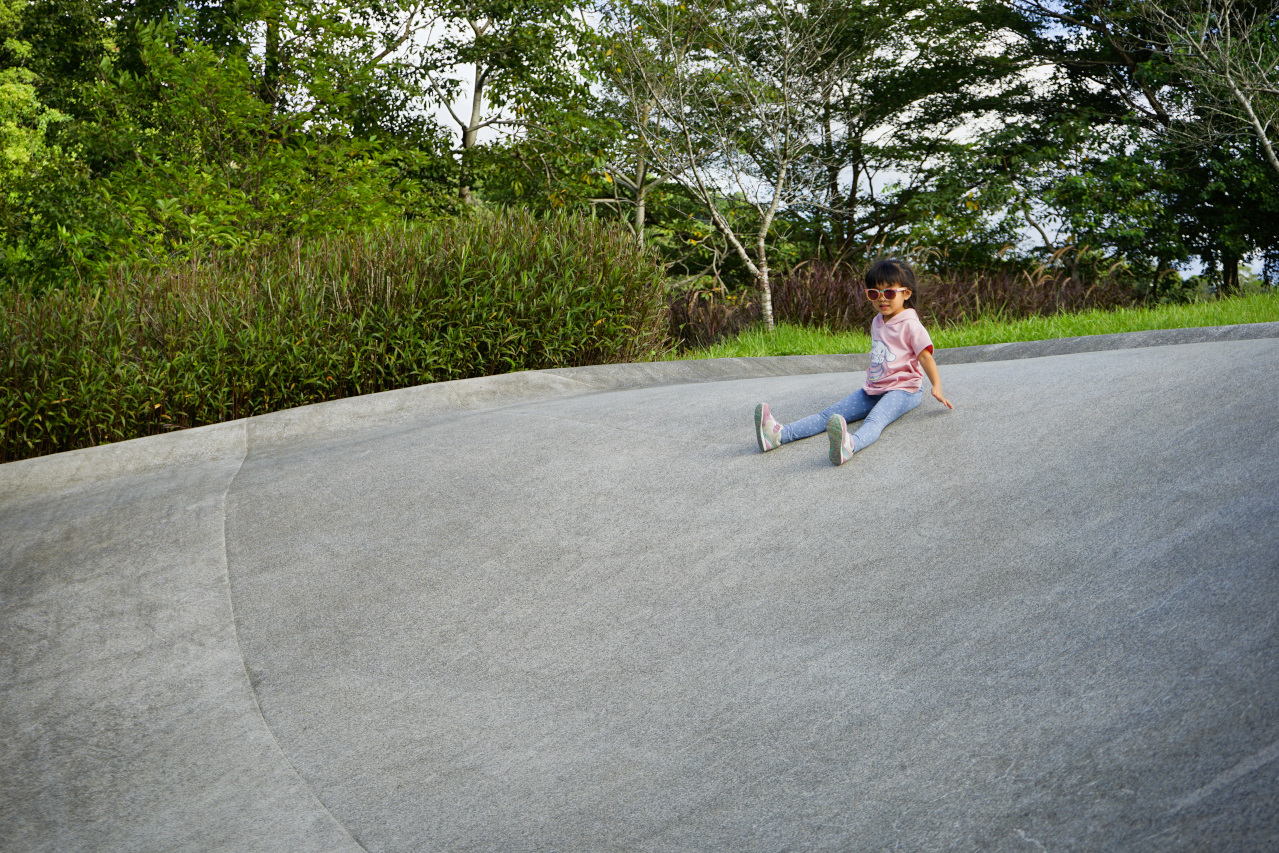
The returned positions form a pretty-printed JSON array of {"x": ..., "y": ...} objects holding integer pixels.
[
  {"x": 579, "y": 611},
  {"x": 126, "y": 717}
]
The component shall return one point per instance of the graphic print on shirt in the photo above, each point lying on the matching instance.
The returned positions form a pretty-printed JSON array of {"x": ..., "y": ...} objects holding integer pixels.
[{"x": 880, "y": 355}]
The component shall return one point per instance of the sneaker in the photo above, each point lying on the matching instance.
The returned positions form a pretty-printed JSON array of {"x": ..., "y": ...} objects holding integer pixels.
[
  {"x": 768, "y": 432},
  {"x": 841, "y": 440}
]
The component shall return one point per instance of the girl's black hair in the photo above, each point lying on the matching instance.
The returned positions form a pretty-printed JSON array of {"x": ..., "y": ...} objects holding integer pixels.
[{"x": 886, "y": 272}]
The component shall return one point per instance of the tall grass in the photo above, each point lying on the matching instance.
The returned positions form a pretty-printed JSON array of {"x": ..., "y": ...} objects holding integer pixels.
[
  {"x": 699, "y": 318},
  {"x": 1254, "y": 308},
  {"x": 238, "y": 335},
  {"x": 788, "y": 339},
  {"x": 818, "y": 295}
]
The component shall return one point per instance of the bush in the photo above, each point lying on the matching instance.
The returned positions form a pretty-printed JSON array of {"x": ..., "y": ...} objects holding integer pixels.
[{"x": 243, "y": 334}]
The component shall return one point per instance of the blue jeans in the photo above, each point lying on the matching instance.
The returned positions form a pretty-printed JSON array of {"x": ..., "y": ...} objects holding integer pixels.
[{"x": 878, "y": 410}]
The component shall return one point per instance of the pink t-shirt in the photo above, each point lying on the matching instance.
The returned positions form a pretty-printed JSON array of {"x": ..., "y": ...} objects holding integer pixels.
[{"x": 894, "y": 353}]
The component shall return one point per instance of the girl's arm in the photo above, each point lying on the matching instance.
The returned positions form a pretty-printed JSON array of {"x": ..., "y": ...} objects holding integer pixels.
[{"x": 929, "y": 364}]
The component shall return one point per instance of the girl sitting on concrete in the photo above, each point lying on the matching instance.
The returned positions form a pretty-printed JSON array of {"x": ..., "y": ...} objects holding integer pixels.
[{"x": 901, "y": 354}]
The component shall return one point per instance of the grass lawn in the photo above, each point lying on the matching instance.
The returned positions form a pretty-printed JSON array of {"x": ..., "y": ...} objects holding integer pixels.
[{"x": 796, "y": 340}]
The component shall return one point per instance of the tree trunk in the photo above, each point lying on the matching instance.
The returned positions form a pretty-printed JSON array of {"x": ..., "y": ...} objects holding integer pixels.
[
  {"x": 641, "y": 179},
  {"x": 640, "y": 213},
  {"x": 270, "y": 93},
  {"x": 761, "y": 277},
  {"x": 1229, "y": 274},
  {"x": 832, "y": 176},
  {"x": 849, "y": 208},
  {"x": 470, "y": 135},
  {"x": 1161, "y": 266},
  {"x": 765, "y": 297}
]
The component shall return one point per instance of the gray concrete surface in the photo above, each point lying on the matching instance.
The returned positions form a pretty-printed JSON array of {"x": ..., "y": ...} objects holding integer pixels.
[{"x": 579, "y": 611}]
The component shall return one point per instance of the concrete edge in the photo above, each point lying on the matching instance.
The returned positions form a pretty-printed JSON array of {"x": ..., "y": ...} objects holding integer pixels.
[
  {"x": 1102, "y": 343},
  {"x": 244, "y": 675},
  {"x": 59, "y": 471},
  {"x": 405, "y": 405}
]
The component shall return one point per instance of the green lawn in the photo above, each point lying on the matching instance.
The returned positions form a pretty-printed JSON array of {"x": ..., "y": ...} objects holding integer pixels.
[{"x": 796, "y": 340}]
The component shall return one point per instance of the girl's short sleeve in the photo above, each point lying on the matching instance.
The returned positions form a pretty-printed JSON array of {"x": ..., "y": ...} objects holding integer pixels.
[{"x": 917, "y": 337}]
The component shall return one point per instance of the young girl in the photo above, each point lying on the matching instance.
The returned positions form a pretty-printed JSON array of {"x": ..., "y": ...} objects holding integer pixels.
[{"x": 901, "y": 354}]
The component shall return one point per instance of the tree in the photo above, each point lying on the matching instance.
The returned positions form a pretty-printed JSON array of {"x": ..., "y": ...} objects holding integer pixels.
[
  {"x": 868, "y": 102},
  {"x": 287, "y": 117},
  {"x": 1123, "y": 62},
  {"x": 916, "y": 78},
  {"x": 1229, "y": 53},
  {"x": 629, "y": 165},
  {"x": 524, "y": 73},
  {"x": 24, "y": 119},
  {"x": 723, "y": 100},
  {"x": 26, "y": 155},
  {"x": 1104, "y": 193}
]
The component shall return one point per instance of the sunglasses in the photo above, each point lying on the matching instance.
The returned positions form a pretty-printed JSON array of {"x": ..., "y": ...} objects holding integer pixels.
[{"x": 889, "y": 293}]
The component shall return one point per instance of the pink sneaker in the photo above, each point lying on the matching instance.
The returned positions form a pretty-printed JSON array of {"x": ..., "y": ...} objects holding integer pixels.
[
  {"x": 841, "y": 440},
  {"x": 768, "y": 432}
]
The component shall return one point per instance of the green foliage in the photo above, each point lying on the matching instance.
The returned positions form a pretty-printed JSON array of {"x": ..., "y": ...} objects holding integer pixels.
[
  {"x": 252, "y": 331},
  {"x": 212, "y": 165},
  {"x": 525, "y": 48},
  {"x": 529, "y": 68},
  {"x": 24, "y": 120},
  {"x": 1095, "y": 196},
  {"x": 177, "y": 147},
  {"x": 152, "y": 131},
  {"x": 558, "y": 164},
  {"x": 1123, "y": 64}
]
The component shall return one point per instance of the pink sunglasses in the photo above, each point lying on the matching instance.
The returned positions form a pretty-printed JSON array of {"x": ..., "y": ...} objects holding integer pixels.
[{"x": 889, "y": 293}]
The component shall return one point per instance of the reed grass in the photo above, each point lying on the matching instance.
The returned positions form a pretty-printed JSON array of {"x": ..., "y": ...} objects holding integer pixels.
[
  {"x": 818, "y": 295},
  {"x": 788, "y": 339}
]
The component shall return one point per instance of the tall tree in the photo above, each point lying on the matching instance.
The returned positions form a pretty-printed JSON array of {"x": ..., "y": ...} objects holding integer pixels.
[
  {"x": 1229, "y": 52},
  {"x": 24, "y": 118},
  {"x": 836, "y": 115},
  {"x": 1123, "y": 61},
  {"x": 723, "y": 100},
  {"x": 914, "y": 79},
  {"x": 515, "y": 60},
  {"x": 222, "y": 124}
]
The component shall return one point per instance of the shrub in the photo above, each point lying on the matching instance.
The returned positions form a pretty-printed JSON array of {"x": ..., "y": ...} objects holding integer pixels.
[{"x": 246, "y": 333}]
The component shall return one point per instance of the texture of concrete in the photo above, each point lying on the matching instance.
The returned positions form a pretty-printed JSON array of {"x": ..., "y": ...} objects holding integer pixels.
[{"x": 579, "y": 611}]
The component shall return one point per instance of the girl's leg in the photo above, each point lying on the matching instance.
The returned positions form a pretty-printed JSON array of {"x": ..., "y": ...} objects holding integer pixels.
[
  {"x": 854, "y": 407},
  {"x": 888, "y": 408}
]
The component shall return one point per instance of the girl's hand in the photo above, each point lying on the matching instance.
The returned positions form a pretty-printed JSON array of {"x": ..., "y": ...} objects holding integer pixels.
[{"x": 929, "y": 364}]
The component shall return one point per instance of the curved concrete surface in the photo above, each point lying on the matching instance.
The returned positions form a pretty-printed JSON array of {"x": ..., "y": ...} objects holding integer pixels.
[{"x": 579, "y": 611}]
